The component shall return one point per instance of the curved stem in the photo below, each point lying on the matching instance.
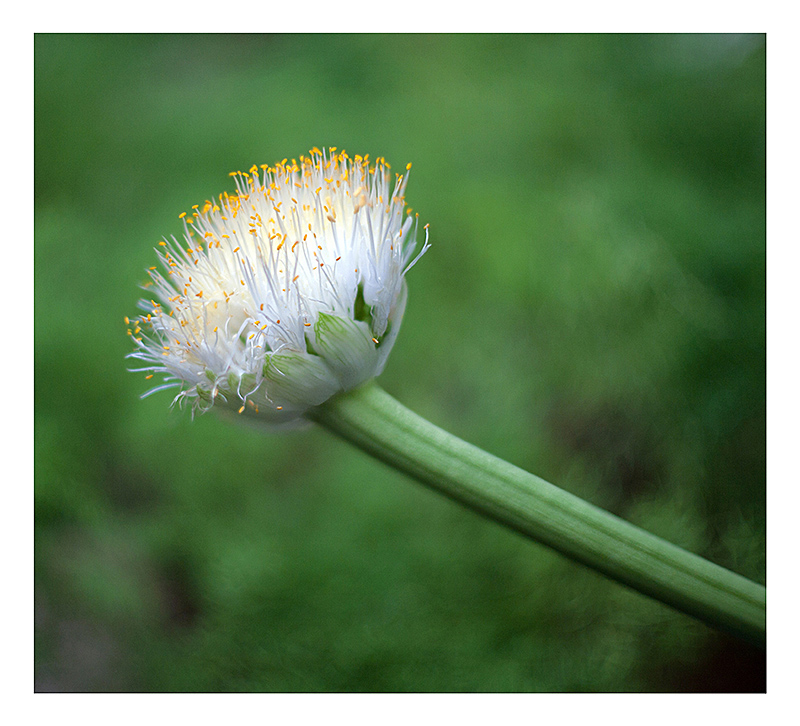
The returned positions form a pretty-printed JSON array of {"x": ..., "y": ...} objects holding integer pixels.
[{"x": 371, "y": 419}]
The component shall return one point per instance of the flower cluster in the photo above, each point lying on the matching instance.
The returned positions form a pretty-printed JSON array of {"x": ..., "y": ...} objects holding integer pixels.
[{"x": 284, "y": 293}]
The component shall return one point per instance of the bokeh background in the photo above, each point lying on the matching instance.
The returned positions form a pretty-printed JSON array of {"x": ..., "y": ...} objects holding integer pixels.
[{"x": 592, "y": 309}]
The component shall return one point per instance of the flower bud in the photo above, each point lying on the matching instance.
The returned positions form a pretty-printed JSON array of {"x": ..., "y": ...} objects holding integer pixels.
[{"x": 284, "y": 293}]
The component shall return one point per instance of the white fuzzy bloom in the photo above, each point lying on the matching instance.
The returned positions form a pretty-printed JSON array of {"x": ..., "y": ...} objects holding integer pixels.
[{"x": 284, "y": 293}]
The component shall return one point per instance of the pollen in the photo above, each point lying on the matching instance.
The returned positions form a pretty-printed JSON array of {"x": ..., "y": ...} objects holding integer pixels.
[{"x": 267, "y": 279}]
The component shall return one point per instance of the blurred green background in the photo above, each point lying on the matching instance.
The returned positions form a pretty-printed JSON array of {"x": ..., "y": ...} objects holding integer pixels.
[{"x": 592, "y": 309}]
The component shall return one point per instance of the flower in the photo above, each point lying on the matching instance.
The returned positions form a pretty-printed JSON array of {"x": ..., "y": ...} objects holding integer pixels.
[{"x": 284, "y": 293}]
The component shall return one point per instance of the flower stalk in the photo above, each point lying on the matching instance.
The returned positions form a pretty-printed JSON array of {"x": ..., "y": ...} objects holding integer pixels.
[{"x": 375, "y": 422}]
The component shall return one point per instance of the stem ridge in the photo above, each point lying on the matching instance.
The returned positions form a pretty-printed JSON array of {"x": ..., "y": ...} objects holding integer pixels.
[{"x": 377, "y": 423}]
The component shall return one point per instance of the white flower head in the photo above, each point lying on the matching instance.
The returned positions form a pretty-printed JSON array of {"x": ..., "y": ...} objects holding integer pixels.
[{"x": 284, "y": 293}]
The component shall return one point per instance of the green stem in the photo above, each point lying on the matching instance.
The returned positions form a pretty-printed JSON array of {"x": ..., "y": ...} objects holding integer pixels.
[{"x": 371, "y": 419}]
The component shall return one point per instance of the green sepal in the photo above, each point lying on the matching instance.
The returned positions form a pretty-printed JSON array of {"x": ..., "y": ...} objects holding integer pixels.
[
  {"x": 298, "y": 379},
  {"x": 246, "y": 383},
  {"x": 347, "y": 347},
  {"x": 362, "y": 311},
  {"x": 205, "y": 395}
]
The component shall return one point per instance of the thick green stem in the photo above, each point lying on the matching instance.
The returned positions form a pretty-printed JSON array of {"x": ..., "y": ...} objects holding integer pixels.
[{"x": 373, "y": 420}]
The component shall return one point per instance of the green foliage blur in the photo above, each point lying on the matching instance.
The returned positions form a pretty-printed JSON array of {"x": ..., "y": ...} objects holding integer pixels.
[{"x": 592, "y": 310}]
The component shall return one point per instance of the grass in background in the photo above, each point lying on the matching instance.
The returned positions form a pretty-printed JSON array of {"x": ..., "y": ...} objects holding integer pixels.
[{"x": 593, "y": 310}]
